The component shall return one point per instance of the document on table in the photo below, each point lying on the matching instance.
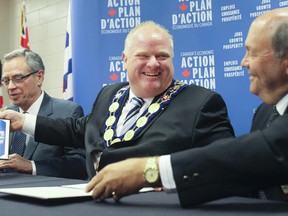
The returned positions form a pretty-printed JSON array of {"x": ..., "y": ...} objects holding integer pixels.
[{"x": 56, "y": 192}]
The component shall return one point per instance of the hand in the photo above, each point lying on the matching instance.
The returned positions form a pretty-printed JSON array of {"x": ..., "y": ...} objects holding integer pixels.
[
  {"x": 17, "y": 163},
  {"x": 16, "y": 119},
  {"x": 118, "y": 179}
]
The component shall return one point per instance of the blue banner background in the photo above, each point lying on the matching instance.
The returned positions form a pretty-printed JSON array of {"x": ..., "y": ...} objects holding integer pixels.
[{"x": 209, "y": 39}]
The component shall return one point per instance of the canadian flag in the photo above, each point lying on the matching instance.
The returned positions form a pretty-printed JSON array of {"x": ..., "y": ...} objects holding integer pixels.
[{"x": 24, "y": 39}]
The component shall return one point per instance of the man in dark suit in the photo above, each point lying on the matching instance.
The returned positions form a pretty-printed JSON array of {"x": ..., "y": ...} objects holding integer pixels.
[
  {"x": 173, "y": 117},
  {"x": 267, "y": 61},
  {"x": 23, "y": 75},
  {"x": 231, "y": 166},
  {"x": 228, "y": 167}
]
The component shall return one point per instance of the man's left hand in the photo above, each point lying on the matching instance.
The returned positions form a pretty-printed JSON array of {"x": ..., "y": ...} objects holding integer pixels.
[{"x": 17, "y": 163}]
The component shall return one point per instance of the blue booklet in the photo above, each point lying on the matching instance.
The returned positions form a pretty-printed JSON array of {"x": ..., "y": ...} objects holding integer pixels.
[{"x": 4, "y": 138}]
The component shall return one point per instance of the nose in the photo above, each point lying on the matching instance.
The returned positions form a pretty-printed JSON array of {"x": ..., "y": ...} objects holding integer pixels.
[
  {"x": 11, "y": 84},
  {"x": 152, "y": 61},
  {"x": 244, "y": 61}
]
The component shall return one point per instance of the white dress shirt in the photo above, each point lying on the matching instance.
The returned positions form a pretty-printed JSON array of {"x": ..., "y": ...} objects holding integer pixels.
[
  {"x": 33, "y": 109},
  {"x": 282, "y": 105}
]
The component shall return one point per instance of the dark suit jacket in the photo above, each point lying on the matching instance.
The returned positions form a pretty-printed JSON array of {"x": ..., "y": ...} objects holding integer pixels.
[
  {"x": 259, "y": 122},
  {"x": 233, "y": 166},
  {"x": 56, "y": 161},
  {"x": 194, "y": 118}
]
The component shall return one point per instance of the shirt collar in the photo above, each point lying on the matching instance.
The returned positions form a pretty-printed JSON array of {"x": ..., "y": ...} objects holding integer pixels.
[
  {"x": 34, "y": 108},
  {"x": 281, "y": 106},
  {"x": 147, "y": 100}
]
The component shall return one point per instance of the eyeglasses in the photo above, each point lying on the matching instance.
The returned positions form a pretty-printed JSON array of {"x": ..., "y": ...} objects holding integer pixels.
[{"x": 17, "y": 79}]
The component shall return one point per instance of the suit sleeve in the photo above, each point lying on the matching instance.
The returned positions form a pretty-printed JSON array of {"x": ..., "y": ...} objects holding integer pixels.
[
  {"x": 212, "y": 122},
  {"x": 233, "y": 166},
  {"x": 69, "y": 130},
  {"x": 70, "y": 161}
]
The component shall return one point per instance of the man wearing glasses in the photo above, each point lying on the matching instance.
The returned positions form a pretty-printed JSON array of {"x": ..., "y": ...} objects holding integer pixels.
[{"x": 23, "y": 75}]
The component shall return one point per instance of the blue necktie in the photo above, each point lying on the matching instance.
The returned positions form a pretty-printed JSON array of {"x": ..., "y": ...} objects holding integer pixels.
[
  {"x": 132, "y": 114},
  {"x": 18, "y": 143},
  {"x": 18, "y": 146}
]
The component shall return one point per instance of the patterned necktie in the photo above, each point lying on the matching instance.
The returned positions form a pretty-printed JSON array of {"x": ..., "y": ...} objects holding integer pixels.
[
  {"x": 18, "y": 143},
  {"x": 137, "y": 103},
  {"x": 272, "y": 117}
]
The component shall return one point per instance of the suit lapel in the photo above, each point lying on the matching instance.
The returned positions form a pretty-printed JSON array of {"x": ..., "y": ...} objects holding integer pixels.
[
  {"x": 45, "y": 110},
  {"x": 30, "y": 148}
]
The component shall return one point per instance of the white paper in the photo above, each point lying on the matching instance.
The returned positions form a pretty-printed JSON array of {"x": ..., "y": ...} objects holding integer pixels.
[
  {"x": 47, "y": 192},
  {"x": 58, "y": 192}
]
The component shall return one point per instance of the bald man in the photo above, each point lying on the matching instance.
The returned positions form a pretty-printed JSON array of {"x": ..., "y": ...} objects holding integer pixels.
[{"x": 231, "y": 166}]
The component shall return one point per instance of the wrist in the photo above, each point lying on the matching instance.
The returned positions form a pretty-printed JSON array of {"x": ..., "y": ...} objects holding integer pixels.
[{"x": 151, "y": 172}]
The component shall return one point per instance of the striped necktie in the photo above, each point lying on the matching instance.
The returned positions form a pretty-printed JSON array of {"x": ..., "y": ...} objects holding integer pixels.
[{"x": 137, "y": 103}]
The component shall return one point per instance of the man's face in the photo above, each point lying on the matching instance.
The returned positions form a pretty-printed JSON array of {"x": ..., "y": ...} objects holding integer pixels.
[
  {"x": 268, "y": 74},
  {"x": 26, "y": 92},
  {"x": 148, "y": 62}
]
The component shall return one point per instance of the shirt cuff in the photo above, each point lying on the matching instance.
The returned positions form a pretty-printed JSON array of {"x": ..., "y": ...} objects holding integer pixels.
[
  {"x": 29, "y": 124},
  {"x": 166, "y": 173},
  {"x": 34, "y": 171}
]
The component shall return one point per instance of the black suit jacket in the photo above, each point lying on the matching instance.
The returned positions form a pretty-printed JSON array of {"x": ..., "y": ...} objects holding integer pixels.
[
  {"x": 196, "y": 117},
  {"x": 233, "y": 166},
  {"x": 56, "y": 161},
  {"x": 259, "y": 122}
]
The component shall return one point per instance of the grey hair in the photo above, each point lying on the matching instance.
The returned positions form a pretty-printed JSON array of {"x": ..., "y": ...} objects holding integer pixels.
[
  {"x": 33, "y": 60},
  {"x": 280, "y": 40}
]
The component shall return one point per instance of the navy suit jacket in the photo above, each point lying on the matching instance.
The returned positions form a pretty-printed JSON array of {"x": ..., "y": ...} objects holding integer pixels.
[
  {"x": 58, "y": 161},
  {"x": 259, "y": 122},
  {"x": 194, "y": 118},
  {"x": 233, "y": 166}
]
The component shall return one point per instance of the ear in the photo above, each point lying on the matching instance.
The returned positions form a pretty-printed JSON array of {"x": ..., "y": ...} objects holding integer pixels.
[
  {"x": 286, "y": 65},
  {"x": 40, "y": 77},
  {"x": 124, "y": 57}
]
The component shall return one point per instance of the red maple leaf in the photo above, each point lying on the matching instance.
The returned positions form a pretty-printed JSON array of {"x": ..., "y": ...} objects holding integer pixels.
[
  {"x": 183, "y": 7},
  {"x": 112, "y": 12},
  {"x": 186, "y": 73},
  {"x": 114, "y": 77}
]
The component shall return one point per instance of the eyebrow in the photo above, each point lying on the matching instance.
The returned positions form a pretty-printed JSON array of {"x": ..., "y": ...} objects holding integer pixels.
[{"x": 17, "y": 74}]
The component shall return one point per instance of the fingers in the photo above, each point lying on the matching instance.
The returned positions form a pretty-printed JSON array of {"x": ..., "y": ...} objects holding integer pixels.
[
  {"x": 116, "y": 196},
  {"x": 17, "y": 163},
  {"x": 97, "y": 187},
  {"x": 102, "y": 190},
  {"x": 94, "y": 181},
  {"x": 7, "y": 164}
]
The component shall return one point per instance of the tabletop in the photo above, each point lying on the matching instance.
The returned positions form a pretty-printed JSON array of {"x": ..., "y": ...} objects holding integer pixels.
[{"x": 152, "y": 203}]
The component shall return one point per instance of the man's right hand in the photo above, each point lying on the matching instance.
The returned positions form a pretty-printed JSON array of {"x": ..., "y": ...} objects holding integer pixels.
[{"x": 16, "y": 119}]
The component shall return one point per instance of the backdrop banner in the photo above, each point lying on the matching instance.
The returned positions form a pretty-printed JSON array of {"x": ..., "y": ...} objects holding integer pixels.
[{"x": 209, "y": 40}]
